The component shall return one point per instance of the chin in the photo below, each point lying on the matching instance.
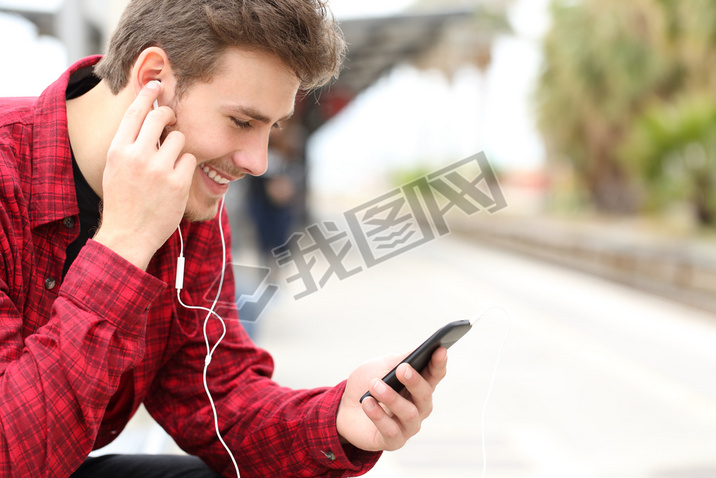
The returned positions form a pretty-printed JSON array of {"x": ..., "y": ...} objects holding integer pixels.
[{"x": 207, "y": 212}]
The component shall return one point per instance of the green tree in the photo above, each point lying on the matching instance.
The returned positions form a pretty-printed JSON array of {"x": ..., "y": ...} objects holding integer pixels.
[
  {"x": 673, "y": 149},
  {"x": 672, "y": 146},
  {"x": 599, "y": 70},
  {"x": 628, "y": 95}
]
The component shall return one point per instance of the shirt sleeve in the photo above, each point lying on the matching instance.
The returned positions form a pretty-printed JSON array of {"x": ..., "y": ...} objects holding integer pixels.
[
  {"x": 56, "y": 382},
  {"x": 270, "y": 430}
]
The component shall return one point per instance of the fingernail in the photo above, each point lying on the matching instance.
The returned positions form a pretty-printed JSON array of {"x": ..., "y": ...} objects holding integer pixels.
[
  {"x": 369, "y": 404},
  {"x": 408, "y": 372},
  {"x": 154, "y": 85},
  {"x": 379, "y": 386}
]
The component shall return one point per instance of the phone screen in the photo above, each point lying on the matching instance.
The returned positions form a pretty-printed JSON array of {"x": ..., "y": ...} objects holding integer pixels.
[{"x": 420, "y": 357}]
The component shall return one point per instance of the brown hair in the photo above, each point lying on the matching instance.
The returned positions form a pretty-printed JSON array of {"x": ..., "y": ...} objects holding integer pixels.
[{"x": 195, "y": 33}]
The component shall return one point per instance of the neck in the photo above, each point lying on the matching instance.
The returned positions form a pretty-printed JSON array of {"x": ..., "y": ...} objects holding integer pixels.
[{"x": 92, "y": 122}]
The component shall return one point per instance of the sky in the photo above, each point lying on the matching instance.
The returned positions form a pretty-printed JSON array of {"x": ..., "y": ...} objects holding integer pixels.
[
  {"x": 366, "y": 8},
  {"x": 39, "y": 5},
  {"x": 409, "y": 119}
]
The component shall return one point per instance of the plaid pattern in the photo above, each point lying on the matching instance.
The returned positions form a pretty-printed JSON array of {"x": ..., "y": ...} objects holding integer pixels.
[{"x": 79, "y": 355}]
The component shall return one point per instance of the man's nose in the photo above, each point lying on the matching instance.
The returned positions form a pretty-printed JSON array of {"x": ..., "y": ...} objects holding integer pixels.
[{"x": 252, "y": 157}]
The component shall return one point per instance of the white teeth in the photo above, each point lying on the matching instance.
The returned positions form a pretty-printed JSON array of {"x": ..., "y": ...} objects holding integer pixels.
[{"x": 214, "y": 175}]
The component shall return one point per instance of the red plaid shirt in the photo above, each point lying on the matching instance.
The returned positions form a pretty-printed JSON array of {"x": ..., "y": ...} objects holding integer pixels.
[{"x": 79, "y": 355}]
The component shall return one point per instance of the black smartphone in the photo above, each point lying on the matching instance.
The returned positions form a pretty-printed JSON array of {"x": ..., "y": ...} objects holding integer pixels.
[{"x": 420, "y": 357}]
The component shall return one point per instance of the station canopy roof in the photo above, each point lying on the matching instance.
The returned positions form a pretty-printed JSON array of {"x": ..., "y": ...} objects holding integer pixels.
[
  {"x": 375, "y": 45},
  {"x": 442, "y": 40}
]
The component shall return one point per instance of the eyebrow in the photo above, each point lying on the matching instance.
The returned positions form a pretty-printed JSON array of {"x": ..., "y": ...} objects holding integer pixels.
[{"x": 257, "y": 115}]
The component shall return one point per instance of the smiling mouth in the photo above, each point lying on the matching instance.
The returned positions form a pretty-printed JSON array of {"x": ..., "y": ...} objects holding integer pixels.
[{"x": 214, "y": 175}]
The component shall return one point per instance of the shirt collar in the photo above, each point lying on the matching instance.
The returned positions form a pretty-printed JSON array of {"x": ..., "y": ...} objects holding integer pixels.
[{"x": 53, "y": 187}]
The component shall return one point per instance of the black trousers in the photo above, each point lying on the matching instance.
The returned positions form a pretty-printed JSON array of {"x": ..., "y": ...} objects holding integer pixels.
[{"x": 145, "y": 466}]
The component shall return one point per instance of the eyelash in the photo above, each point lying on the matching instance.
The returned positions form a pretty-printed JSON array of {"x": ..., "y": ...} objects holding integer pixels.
[
  {"x": 247, "y": 125},
  {"x": 241, "y": 124}
]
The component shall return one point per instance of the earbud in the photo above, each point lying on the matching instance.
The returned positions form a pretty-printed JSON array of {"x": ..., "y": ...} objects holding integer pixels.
[{"x": 156, "y": 107}]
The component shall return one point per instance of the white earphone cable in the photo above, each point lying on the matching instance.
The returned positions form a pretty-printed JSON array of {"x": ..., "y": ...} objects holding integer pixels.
[
  {"x": 489, "y": 390},
  {"x": 210, "y": 312}
]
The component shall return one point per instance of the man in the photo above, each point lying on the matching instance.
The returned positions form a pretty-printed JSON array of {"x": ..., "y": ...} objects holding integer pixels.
[{"x": 95, "y": 183}]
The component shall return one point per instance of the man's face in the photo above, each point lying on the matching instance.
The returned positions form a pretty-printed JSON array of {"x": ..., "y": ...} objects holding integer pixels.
[{"x": 227, "y": 123}]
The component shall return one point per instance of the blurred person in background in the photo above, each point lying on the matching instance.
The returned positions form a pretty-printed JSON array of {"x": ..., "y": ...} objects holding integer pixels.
[
  {"x": 272, "y": 197},
  {"x": 95, "y": 183}
]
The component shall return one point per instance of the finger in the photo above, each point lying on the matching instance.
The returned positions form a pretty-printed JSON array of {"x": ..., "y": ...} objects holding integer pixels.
[
  {"x": 402, "y": 409},
  {"x": 153, "y": 127},
  {"x": 420, "y": 390},
  {"x": 391, "y": 433},
  {"x": 137, "y": 112},
  {"x": 437, "y": 368},
  {"x": 171, "y": 149}
]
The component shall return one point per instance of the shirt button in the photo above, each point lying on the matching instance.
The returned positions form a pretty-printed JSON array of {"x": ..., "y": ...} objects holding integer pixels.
[
  {"x": 50, "y": 283},
  {"x": 329, "y": 454},
  {"x": 68, "y": 222}
]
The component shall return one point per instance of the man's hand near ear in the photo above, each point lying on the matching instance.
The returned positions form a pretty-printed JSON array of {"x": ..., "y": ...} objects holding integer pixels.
[{"x": 144, "y": 189}]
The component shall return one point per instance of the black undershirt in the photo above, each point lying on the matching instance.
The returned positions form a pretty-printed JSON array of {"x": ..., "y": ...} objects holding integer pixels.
[{"x": 87, "y": 199}]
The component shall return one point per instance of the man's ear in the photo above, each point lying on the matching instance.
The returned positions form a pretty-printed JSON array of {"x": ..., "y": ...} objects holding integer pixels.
[{"x": 152, "y": 64}]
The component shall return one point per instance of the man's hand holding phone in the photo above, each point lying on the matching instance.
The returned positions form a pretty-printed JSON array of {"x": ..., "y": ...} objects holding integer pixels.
[
  {"x": 388, "y": 419},
  {"x": 393, "y": 408},
  {"x": 145, "y": 188}
]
